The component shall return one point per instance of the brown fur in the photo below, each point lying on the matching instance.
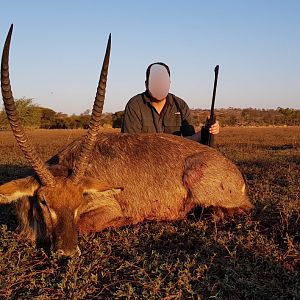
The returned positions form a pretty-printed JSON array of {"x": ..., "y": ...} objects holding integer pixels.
[{"x": 130, "y": 179}]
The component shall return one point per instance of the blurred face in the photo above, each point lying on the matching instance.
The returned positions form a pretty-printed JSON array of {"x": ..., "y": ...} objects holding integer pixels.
[{"x": 159, "y": 82}]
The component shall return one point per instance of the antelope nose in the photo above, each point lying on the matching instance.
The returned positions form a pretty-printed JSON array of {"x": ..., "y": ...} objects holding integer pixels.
[{"x": 69, "y": 253}]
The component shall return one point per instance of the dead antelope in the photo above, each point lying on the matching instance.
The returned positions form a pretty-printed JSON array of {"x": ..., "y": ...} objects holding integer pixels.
[{"x": 113, "y": 179}]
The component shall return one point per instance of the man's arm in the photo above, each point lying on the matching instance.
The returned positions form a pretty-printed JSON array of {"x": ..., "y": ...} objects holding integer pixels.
[
  {"x": 132, "y": 122},
  {"x": 188, "y": 129}
]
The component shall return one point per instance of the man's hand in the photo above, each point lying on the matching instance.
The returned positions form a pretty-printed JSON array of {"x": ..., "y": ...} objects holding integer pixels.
[{"x": 215, "y": 128}]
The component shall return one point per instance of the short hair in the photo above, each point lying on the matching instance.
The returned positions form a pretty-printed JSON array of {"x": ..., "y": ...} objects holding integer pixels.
[{"x": 156, "y": 63}]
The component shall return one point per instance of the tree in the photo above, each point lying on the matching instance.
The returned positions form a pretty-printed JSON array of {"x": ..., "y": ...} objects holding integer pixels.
[
  {"x": 30, "y": 113},
  {"x": 86, "y": 112},
  {"x": 290, "y": 116},
  {"x": 47, "y": 117},
  {"x": 117, "y": 118}
]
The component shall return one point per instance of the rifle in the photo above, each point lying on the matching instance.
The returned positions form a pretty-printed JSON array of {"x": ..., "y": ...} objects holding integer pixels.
[{"x": 206, "y": 137}]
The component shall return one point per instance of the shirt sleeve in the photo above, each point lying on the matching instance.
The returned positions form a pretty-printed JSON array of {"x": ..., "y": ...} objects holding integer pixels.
[
  {"x": 132, "y": 122},
  {"x": 187, "y": 128}
]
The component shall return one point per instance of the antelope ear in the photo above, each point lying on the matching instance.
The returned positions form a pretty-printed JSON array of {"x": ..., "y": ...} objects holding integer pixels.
[
  {"x": 94, "y": 186},
  {"x": 15, "y": 189},
  {"x": 103, "y": 193},
  {"x": 98, "y": 195},
  {"x": 100, "y": 199}
]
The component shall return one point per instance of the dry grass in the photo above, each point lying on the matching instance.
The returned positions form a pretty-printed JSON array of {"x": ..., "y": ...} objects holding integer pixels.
[{"x": 249, "y": 257}]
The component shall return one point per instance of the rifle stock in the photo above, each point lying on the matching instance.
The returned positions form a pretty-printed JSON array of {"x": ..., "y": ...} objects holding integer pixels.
[{"x": 206, "y": 137}]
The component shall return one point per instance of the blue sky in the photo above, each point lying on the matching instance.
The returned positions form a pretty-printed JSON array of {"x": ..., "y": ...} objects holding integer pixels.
[{"x": 58, "y": 47}]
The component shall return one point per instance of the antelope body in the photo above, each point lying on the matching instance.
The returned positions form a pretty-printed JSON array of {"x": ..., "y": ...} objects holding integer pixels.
[{"x": 114, "y": 179}]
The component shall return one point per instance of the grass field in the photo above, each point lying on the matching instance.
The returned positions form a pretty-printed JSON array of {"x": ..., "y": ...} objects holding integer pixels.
[{"x": 256, "y": 256}]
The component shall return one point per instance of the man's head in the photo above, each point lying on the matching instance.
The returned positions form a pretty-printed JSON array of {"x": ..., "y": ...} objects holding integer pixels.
[{"x": 158, "y": 80}]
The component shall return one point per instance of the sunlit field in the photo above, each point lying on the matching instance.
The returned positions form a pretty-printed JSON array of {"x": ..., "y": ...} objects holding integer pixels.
[{"x": 254, "y": 256}]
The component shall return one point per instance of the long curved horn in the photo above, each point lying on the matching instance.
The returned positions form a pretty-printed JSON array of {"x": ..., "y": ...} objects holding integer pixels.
[
  {"x": 91, "y": 136},
  {"x": 30, "y": 153}
]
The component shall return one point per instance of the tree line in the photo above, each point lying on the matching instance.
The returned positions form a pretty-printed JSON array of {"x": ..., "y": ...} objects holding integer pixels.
[
  {"x": 35, "y": 116},
  {"x": 251, "y": 116}
]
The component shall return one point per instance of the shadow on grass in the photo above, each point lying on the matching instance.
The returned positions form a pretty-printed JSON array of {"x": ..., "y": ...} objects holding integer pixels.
[
  {"x": 197, "y": 259},
  {"x": 8, "y": 216},
  {"x": 264, "y": 164},
  {"x": 7, "y": 211},
  {"x": 11, "y": 172},
  {"x": 237, "y": 272},
  {"x": 188, "y": 258}
]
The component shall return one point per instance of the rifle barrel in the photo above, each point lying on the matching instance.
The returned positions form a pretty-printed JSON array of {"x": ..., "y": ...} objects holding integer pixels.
[
  {"x": 212, "y": 120},
  {"x": 214, "y": 90}
]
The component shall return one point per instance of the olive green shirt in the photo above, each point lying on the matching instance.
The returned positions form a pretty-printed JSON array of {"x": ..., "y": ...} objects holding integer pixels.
[{"x": 141, "y": 117}]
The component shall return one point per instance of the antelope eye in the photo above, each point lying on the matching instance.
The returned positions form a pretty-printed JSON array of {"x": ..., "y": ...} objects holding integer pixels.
[{"x": 43, "y": 201}]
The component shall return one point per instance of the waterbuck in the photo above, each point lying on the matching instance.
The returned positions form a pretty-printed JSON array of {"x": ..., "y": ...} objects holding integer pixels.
[{"x": 113, "y": 179}]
